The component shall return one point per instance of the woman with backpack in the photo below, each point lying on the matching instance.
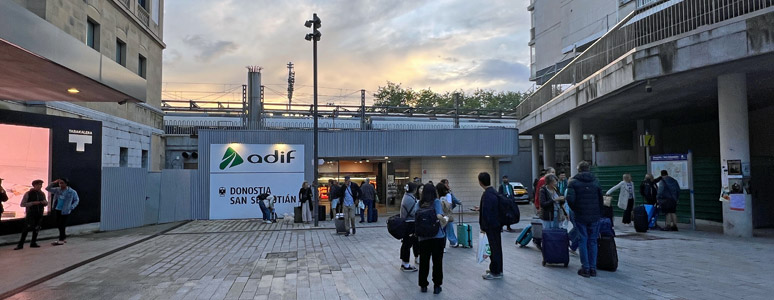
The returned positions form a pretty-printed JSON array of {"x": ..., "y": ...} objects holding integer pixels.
[
  {"x": 408, "y": 211},
  {"x": 432, "y": 238}
]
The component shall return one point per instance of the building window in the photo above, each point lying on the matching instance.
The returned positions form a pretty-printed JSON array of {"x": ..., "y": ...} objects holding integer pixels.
[
  {"x": 145, "y": 159},
  {"x": 143, "y": 4},
  {"x": 123, "y": 157},
  {"x": 92, "y": 34},
  {"x": 121, "y": 52},
  {"x": 142, "y": 65}
]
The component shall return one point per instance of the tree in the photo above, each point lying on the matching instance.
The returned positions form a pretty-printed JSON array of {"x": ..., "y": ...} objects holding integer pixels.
[{"x": 394, "y": 95}]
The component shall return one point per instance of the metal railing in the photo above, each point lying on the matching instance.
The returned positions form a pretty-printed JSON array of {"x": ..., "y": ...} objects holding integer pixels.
[
  {"x": 125, "y": 3},
  {"x": 142, "y": 14},
  {"x": 654, "y": 22}
]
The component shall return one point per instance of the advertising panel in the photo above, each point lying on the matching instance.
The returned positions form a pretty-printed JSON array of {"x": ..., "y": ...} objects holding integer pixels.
[
  {"x": 24, "y": 157},
  {"x": 241, "y": 172}
]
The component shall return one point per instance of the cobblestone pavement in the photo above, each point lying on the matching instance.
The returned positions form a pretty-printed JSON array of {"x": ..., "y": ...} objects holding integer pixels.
[{"x": 245, "y": 259}]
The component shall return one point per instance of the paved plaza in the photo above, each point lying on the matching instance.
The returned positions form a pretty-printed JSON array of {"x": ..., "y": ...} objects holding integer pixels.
[{"x": 246, "y": 259}]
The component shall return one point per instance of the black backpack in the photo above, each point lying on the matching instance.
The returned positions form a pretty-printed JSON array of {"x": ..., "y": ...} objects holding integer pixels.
[
  {"x": 398, "y": 227},
  {"x": 508, "y": 210},
  {"x": 427, "y": 224}
]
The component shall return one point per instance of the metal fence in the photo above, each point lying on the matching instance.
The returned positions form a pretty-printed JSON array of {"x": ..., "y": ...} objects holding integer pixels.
[{"x": 654, "y": 21}]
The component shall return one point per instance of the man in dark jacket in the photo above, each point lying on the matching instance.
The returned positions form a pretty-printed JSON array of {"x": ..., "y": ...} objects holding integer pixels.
[
  {"x": 35, "y": 202},
  {"x": 585, "y": 199},
  {"x": 368, "y": 195},
  {"x": 668, "y": 194},
  {"x": 506, "y": 189},
  {"x": 490, "y": 224}
]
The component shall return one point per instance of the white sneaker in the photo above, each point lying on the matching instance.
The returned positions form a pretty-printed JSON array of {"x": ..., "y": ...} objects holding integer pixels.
[
  {"x": 416, "y": 260},
  {"x": 444, "y": 250}
]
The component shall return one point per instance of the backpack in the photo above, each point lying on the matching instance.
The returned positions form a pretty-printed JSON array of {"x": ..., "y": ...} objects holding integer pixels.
[
  {"x": 508, "y": 210},
  {"x": 398, "y": 227},
  {"x": 426, "y": 224}
]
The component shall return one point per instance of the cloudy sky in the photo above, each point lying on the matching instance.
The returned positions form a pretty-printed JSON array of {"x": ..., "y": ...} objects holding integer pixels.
[{"x": 441, "y": 44}]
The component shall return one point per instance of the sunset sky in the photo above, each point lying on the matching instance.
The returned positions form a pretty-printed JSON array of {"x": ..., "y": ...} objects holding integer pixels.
[{"x": 443, "y": 45}]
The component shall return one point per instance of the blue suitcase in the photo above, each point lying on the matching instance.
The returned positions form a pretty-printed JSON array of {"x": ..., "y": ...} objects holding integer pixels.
[
  {"x": 556, "y": 244},
  {"x": 525, "y": 237}
]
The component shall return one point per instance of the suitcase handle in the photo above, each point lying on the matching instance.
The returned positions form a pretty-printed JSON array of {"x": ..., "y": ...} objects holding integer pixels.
[{"x": 461, "y": 220}]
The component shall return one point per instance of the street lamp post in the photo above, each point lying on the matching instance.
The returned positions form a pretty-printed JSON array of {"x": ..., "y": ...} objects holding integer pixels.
[{"x": 314, "y": 37}]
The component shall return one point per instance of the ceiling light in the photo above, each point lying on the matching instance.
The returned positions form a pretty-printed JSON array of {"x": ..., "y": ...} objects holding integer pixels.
[
  {"x": 443, "y": 156},
  {"x": 73, "y": 90},
  {"x": 386, "y": 157},
  {"x": 487, "y": 156}
]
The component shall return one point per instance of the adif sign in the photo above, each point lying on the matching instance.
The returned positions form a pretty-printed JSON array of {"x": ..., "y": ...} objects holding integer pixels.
[{"x": 241, "y": 172}]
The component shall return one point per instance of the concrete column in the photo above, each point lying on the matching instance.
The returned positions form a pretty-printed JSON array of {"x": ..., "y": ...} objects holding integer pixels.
[
  {"x": 576, "y": 144},
  {"x": 535, "y": 156},
  {"x": 549, "y": 150},
  {"x": 734, "y": 145}
]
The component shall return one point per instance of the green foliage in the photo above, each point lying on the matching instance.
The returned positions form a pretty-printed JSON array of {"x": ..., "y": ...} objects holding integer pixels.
[{"x": 395, "y": 95}]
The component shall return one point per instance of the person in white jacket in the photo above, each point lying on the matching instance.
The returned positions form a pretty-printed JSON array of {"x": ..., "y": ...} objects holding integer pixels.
[{"x": 625, "y": 197}]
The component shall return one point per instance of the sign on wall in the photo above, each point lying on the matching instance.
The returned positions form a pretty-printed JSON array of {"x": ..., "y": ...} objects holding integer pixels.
[
  {"x": 675, "y": 164},
  {"x": 241, "y": 172}
]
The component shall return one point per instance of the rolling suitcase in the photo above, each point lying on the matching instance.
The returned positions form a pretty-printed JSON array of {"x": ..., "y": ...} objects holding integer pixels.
[
  {"x": 339, "y": 222},
  {"x": 556, "y": 244},
  {"x": 464, "y": 233},
  {"x": 537, "y": 231},
  {"x": 652, "y": 215},
  {"x": 640, "y": 219},
  {"x": 525, "y": 237},
  {"x": 297, "y": 218},
  {"x": 607, "y": 255},
  {"x": 375, "y": 215}
]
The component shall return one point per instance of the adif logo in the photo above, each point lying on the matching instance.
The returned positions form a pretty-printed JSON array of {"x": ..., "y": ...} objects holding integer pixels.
[
  {"x": 230, "y": 159},
  {"x": 80, "y": 138}
]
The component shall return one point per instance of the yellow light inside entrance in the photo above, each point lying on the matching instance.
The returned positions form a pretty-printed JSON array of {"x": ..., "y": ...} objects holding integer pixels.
[{"x": 73, "y": 91}]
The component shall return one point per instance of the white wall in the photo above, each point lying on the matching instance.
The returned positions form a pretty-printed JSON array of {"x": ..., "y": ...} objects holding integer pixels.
[{"x": 462, "y": 174}]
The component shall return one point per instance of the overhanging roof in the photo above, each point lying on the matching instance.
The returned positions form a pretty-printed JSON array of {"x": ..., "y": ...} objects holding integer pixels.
[{"x": 39, "y": 62}]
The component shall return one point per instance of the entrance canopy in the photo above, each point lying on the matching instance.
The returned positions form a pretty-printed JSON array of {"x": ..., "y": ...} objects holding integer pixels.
[{"x": 41, "y": 62}]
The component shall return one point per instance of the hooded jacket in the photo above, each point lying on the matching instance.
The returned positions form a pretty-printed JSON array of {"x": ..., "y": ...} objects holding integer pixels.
[{"x": 585, "y": 198}]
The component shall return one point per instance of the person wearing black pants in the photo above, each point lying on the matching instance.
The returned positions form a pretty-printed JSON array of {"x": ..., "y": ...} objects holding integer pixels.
[
  {"x": 408, "y": 210},
  {"x": 625, "y": 197},
  {"x": 431, "y": 247},
  {"x": 65, "y": 199},
  {"x": 34, "y": 201},
  {"x": 490, "y": 224}
]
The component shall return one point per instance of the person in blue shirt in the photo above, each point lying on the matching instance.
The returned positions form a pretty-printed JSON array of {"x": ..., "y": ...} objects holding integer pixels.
[
  {"x": 65, "y": 200},
  {"x": 349, "y": 197}
]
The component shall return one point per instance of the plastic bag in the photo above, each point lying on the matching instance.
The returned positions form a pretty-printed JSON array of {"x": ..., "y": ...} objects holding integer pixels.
[{"x": 483, "y": 248}]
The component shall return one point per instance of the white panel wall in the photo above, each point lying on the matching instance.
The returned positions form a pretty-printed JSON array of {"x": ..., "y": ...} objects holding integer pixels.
[{"x": 462, "y": 174}]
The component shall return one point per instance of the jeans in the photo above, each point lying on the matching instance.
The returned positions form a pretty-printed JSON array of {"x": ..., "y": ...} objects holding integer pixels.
[
  {"x": 589, "y": 233},
  {"x": 61, "y": 223},
  {"x": 265, "y": 211},
  {"x": 406, "y": 246},
  {"x": 349, "y": 217},
  {"x": 431, "y": 248},
  {"x": 496, "y": 246},
  {"x": 371, "y": 206},
  {"x": 450, "y": 233}
]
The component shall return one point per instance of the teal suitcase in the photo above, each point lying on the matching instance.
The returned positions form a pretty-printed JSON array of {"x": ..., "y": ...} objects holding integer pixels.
[{"x": 464, "y": 233}]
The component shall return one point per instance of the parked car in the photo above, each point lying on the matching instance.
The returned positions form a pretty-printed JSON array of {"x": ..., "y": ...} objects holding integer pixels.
[{"x": 521, "y": 196}]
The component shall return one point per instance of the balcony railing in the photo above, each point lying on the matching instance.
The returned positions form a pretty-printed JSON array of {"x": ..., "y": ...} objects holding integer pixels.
[
  {"x": 643, "y": 26},
  {"x": 142, "y": 14},
  {"x": 125, "y": 3}
]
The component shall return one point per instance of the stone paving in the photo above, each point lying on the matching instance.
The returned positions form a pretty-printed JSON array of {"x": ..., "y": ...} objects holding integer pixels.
[{"x": 245, "y": 259}]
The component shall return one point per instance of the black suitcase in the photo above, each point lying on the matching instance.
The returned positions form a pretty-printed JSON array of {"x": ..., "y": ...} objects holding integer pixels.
[
  {"x": 556, "y": 244},
  {"x": 297, "y": 218},
  {"x": 607, "y": 255},
  {"x": 640, "y": 219},
  {"x": 321, "y": 213}
]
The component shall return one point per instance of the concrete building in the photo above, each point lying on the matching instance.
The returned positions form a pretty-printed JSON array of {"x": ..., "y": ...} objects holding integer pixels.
[
  {"x": 690, "y": 77},
  {"x": 88, "y": 73}
]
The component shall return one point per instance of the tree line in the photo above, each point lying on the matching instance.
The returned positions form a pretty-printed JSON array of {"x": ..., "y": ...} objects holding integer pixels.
[{"x": 395, "y": 95}]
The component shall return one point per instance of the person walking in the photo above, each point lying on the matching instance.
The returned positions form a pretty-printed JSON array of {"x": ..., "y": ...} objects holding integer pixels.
[
  {"x": 585, "y": 199},
  {"x": 506, "y": 189},
  {"x": 305, "y": 197},
  {"x": 432, "y": 247},
  {"x": 350, "y": 195},
  {"x": 446, "y": 205},
  {"x": 408, "y": 211},
  {"x": 625, "y": 197},
  {"x": 667, "y": 197},
  {"x": 489, "y": 221},
  {"x": 368, "y": 196},
  {"x": 34, "y": 201},
  {"x": 65, "y": 200},
  {"x": 553, "y": 213},
  {"x": 333, "y": 197}
]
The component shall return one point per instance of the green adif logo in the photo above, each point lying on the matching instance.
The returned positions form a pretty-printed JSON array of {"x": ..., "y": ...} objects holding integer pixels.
[{"x": 230, "y": 159}]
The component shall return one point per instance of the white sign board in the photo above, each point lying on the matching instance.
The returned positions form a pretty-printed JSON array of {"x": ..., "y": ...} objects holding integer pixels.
[
  {"x": 241, "y": 172},
  {"x": 675, "y": 164}
]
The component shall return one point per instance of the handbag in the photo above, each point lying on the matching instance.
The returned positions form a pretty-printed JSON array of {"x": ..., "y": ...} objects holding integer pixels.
[{"x": 607, "y": 200}]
